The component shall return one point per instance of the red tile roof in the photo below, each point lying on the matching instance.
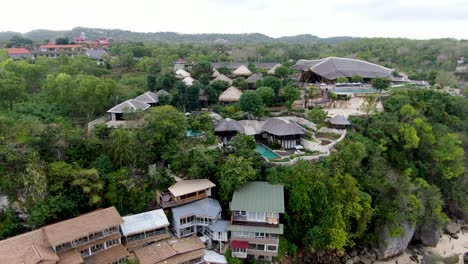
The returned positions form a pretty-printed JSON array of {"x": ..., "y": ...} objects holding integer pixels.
[
  {"x": 55, "y": 46},
  {"x": 239, "y": 244},
  {"x": 18, "y": 51}
]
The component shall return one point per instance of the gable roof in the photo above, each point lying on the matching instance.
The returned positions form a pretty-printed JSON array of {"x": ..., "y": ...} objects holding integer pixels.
[
  {"x": 231, "y": 94},
  {"x": 190, "y": 186},
  {"x": 258, "y": 196},
  {"x": 229, "y": 124},
  {"x": 134, "y": 224},
  {"x": 206, "y": 207},
  {"x": 254, "y": 78},
  {"x": 18, "y": 51},
  {"x": 83, "y": 225},
  {"x": 162, "y": 93},
  {"x": 188, "y": 81},
  {"x": 98, "y": 54},
  {"x": 223, "y": 77},
  {"x": 242, "y": 71},
  {"x": 235, "y": 65},
  {"x": 28, "y": 247},
  {"x": 282, "y": 127},
  {"x": 182, "y": 73},
  {"x": 148, "y": 97},
  {"x": 171, "y": 251},
  {"x": 128, "y": 106},
  {"x": 332, "y": 68},
  {"x": 339, "y": 120}
]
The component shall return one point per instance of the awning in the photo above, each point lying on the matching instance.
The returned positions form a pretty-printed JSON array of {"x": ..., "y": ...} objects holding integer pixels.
[{"x": 239, "y": 244}]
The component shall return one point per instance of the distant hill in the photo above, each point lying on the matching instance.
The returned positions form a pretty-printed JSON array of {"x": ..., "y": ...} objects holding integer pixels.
[{"x": 41, "y": 35}]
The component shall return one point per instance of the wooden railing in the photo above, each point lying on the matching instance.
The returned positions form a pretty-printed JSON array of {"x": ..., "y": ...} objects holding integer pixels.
[{"x": 173, "y": 203}]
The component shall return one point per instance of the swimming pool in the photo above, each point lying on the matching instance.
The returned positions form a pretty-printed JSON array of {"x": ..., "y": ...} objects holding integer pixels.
[
  {"x": 194, "y": 133},
  {"x": 266, "y": 152},
  {"x": 354, "y": 90}
]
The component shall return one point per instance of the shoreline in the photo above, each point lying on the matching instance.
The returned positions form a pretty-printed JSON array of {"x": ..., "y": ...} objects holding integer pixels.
[{"x": 446, "y": 247}]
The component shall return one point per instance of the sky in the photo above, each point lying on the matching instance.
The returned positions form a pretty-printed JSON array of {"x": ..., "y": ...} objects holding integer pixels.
[{"x": 418, "y": 19}]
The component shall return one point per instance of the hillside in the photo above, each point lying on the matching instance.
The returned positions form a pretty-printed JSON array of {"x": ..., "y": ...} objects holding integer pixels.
[{"x": 126, "y": 35}]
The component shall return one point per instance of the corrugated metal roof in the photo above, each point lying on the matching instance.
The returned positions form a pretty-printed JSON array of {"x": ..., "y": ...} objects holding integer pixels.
[
  {"x": 129, "y": 106},
  {"x": 146, "y": 221},
  {"x": 259, "y": 196},
  {"x": 148, "y": 97},
  {"x": 260, "y": 229},
  {"x": 207, "y": 207},
  {"x": 219, "y": 226}
]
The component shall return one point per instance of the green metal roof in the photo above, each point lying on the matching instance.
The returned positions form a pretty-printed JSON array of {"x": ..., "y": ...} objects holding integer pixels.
[
  {"x": 269, "y": 230},
  {"x": 259, "y": 196}
]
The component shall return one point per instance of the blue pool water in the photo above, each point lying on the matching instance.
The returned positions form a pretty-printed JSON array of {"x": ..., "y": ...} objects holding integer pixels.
[
  {"x": 194, "y": 133},
  {"x": 266, "y": 152},
  {"x": 354, "y": 90}
]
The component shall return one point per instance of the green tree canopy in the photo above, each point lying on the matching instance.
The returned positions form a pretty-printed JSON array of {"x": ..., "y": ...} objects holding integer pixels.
[
  {"x": 267, "y": 94},
  {"x": 251, "y": 102}
]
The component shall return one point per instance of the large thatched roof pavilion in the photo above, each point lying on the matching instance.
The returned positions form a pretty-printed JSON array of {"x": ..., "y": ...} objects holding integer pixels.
[{"x": 332, "y": 68}]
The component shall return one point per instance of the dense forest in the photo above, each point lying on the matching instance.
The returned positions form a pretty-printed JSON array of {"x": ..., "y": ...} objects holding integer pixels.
[{"x": 404, "y": 165}]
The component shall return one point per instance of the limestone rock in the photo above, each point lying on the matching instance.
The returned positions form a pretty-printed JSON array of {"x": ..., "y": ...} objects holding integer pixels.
[
  {"x": 452, "y": 228},
  {"x": 390, "y": 246},
  {"x": 428, "y": 233}
]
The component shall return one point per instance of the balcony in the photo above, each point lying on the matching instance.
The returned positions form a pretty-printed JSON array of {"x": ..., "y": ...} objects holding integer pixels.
[
  {"x": 166, "y": 200},
  {"x": 237, "y": 221},
  {"x": 239, "y": 254}
]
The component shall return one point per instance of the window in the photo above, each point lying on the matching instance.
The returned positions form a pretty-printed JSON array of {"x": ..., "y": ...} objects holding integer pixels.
[
  {"x": 257, "y": 247},
  {"x": 112, "y": 242},
  {"x": 256, "y": 216},
  {"x": 97, "y": 248},
  {"x": 273, "y": 215},
  {"x": 240, "y": 213},
  {"x": 84, "y": 252},
  {"x": 272, "y": 248},
  {"x": 259, "y": 235}
]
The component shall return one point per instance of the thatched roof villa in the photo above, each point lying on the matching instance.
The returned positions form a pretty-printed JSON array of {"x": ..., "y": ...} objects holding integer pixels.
[
  {"x": 222, "y": 77},
  {"x": 230, "y": 95},
  {"x": 227, "y": 128}
]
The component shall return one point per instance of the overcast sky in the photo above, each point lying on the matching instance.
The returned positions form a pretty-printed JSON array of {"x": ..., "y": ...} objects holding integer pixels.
[{"x": 325, "y": 18}]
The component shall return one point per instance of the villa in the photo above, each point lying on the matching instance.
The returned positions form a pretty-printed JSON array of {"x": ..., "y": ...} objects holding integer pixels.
[
  {"x": 130, "y": 106},
  {"x": 255, "y": 227},
  {"x": 253, "y": 79},
  {"x": 143, "y": 229},
  {"x": 97, "y": 54},
  {"x": 89, "y": 238},
  {"x": 53, "y": 50},
  {"x": 222, "y": 77},
  {"x": 230, "y": 95},
  {"x": 227, "y": 128},
  {"x": 199, "y": 217},
  {"x": 282, "y": 132},
  {"x": 242, "y": 71},
  {"x": 186, "y": 191},
  {"x": 328, "y": 70},
  {"x": 339, "y": 122},
  {"x": 273, "y": 131},
  {"x": 268, "y": 66},
  {"x": 19, "y": 53}
]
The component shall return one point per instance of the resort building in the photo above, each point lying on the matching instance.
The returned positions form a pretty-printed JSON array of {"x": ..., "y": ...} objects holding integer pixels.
[
  {"x": 198, "y": 218},
  {"x": 329, "y": 69},
  {"x": 253, "y": 79},
  {"x": 226, "y": 129},
  {"x": 97, "y": 54},
  {"x": 89, "y": 238},
  {"x": 242, "y": 71},
  {"x": 143, "y": 229},
  {"x": 283, "y": 132},
  {"x": 172, "y": 251},
  {"x": 255, "y": 227},
  {"x": 222, "y": 77},
  {"x": 182, "y": 64},
  {"x": 19, "y": 53},
  {"x": 55, "y": 50},
  {"x": 230, "y": 95},
  {"x": 181, "y": 73},
  {"x": 186, "y": 191},
  {"x": 188, "y": 81},
  {"x": 339, "y": 122},
  {"x": 151, "y": 98},
  {"x": 130, "y": 106}
]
